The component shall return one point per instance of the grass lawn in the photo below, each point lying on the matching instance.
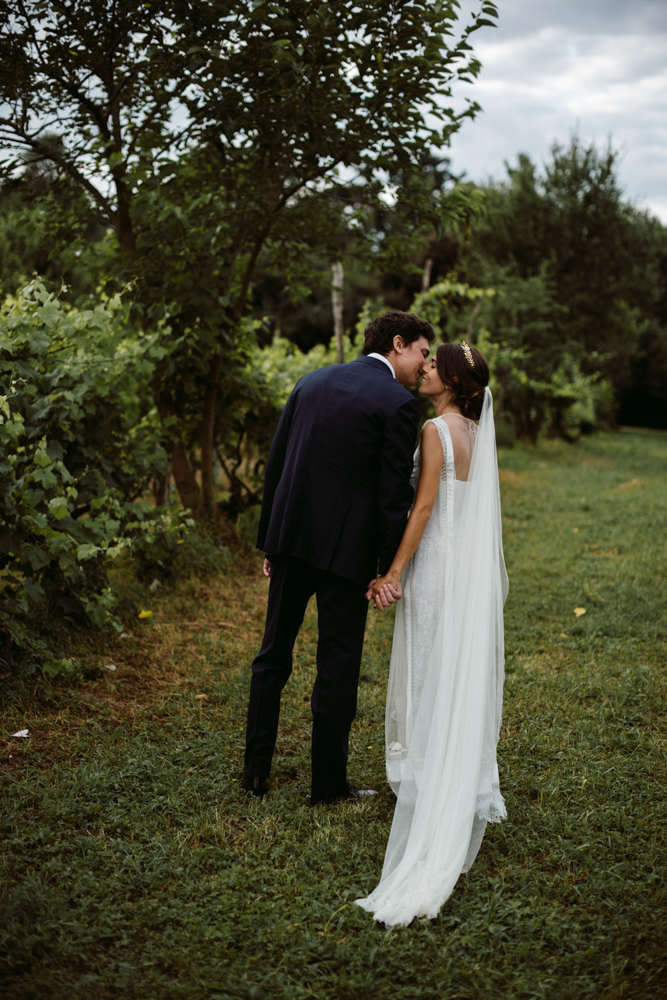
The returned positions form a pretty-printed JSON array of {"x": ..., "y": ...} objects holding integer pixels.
[{"x": 132, "y": 866}]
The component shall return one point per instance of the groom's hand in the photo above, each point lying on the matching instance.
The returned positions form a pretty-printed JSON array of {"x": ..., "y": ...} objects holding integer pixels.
[{"x": 266, "y": 568}]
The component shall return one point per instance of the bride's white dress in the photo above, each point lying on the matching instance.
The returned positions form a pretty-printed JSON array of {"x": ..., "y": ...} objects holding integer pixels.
[{"x": 444, "y": 699}]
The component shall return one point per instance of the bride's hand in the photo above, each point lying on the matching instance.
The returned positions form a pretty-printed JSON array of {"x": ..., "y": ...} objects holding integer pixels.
[{"x": 386, "y": 590}]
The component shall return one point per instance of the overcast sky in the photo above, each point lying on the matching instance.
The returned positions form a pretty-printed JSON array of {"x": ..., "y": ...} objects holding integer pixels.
[{"x": 555, "y": 66}]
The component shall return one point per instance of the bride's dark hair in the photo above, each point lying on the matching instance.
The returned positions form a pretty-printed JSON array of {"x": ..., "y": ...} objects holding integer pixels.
[{"x": 467, "y": 380}]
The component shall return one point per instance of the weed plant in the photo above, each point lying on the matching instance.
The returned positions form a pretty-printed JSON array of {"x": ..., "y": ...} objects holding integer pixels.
[{"x": 133, "y": 866}]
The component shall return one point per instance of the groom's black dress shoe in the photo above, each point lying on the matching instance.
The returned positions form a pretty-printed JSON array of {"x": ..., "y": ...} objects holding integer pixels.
[
  {"x": 258, "y": 786},
  {"x": 356, "y": 794}
]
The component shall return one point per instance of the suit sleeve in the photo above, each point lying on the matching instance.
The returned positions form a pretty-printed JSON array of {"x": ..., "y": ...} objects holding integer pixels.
[
  {"x": 274, "y": 467},
  {"x": 395, "y": 494}
]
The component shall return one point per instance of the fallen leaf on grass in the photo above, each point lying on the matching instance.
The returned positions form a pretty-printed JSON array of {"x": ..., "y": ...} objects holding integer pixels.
[
  {"x": 109, "y": 666},
  {"x": 145, "y": 614},
  {"x": 579, "y": 612},
  {"x": 22, "y": 732},
  {"x": 200, "y": 697}
]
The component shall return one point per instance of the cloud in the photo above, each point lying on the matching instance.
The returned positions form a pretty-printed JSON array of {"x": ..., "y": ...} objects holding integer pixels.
[
  {"x": 594, "y": 17},
  {"x": 597, "y": 68}
]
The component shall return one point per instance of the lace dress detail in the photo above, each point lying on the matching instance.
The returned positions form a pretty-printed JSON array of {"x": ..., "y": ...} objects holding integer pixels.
[{"x": 444, "y": 695}]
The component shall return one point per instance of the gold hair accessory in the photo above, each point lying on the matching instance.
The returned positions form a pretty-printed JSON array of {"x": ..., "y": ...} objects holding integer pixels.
[{"x": 468, "y": 354}]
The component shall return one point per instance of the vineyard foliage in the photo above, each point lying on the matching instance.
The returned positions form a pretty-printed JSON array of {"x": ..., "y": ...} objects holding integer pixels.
[{"x": 79, "y": 445}]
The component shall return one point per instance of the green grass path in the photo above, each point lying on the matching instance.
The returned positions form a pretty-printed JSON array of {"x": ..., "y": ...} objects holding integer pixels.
[{"x": 132, "y": 867}]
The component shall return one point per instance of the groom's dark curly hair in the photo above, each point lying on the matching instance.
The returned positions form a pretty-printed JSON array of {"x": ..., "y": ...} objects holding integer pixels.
[{"x": 379, "y": 335}]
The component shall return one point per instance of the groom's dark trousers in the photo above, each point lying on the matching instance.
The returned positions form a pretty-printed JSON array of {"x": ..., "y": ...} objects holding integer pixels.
[
  {"x": 336, "y": 498},
  {"x": 341, "y": 617}
]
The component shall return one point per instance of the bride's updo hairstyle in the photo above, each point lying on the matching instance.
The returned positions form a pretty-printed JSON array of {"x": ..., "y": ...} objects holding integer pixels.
[{"x": 464, "y": 370}]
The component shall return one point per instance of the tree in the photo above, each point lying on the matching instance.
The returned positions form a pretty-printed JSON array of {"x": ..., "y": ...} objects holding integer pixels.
[
  {"x": 591, "y": 264},
  {"x": 47, "y": 227},
  {"x": 205, "y": 133}
]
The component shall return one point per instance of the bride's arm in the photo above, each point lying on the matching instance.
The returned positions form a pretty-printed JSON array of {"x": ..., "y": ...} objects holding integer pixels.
[{"x": 427, "y": 490}]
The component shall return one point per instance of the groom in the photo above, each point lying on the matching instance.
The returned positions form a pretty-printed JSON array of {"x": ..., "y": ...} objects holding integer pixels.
[{"x": 336, "y": 499}]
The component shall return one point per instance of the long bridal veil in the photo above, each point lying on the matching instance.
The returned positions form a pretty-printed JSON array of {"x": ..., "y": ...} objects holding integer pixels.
[{"x": 449, "y": 786}]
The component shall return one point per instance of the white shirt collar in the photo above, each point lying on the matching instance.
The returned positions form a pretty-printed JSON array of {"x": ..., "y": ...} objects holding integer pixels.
[{"x": 381, "y": 357}]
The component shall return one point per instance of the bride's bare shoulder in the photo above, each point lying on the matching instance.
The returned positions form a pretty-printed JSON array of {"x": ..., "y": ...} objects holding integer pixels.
[
  {"x": 430, "y": 439},
  {"x": 430, "y": 432}
]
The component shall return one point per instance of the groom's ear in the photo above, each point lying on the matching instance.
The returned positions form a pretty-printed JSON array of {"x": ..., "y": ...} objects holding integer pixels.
[{"x": 398, "y": 343}]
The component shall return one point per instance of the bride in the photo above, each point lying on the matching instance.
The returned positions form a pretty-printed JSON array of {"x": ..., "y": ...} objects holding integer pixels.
[{"x": 444, "y": 699}]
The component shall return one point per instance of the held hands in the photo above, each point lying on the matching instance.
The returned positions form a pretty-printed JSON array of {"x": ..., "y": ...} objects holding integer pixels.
[{"x": 384, "y": 591}]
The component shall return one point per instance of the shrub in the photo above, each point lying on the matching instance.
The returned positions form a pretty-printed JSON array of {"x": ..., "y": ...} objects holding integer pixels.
[{"x": 78, "y": 447}]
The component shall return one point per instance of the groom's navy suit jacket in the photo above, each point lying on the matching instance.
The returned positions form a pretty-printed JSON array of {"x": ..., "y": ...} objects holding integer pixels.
[{"x": 337, "y": 487}]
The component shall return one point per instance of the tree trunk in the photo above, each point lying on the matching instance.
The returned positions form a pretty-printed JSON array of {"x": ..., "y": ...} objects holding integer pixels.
[
  {"x": 337, "y": 306},
  {"x": 473, "y": 319},
  {"x": 161, "y": 490},
  {"x": 184, "y": 477},
  {"x": 499, "y": 401},
  {"x": 426, "y": 274},
  {"x": 123, "y": 219},
  {"x": 215, "y": 370},
  {"x": 208, "y": 436},
  {"x": 181, "y": 469}
]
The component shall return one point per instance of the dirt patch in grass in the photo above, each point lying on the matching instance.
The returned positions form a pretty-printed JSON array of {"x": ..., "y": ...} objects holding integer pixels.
[{"x": 196, "y": 632}]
